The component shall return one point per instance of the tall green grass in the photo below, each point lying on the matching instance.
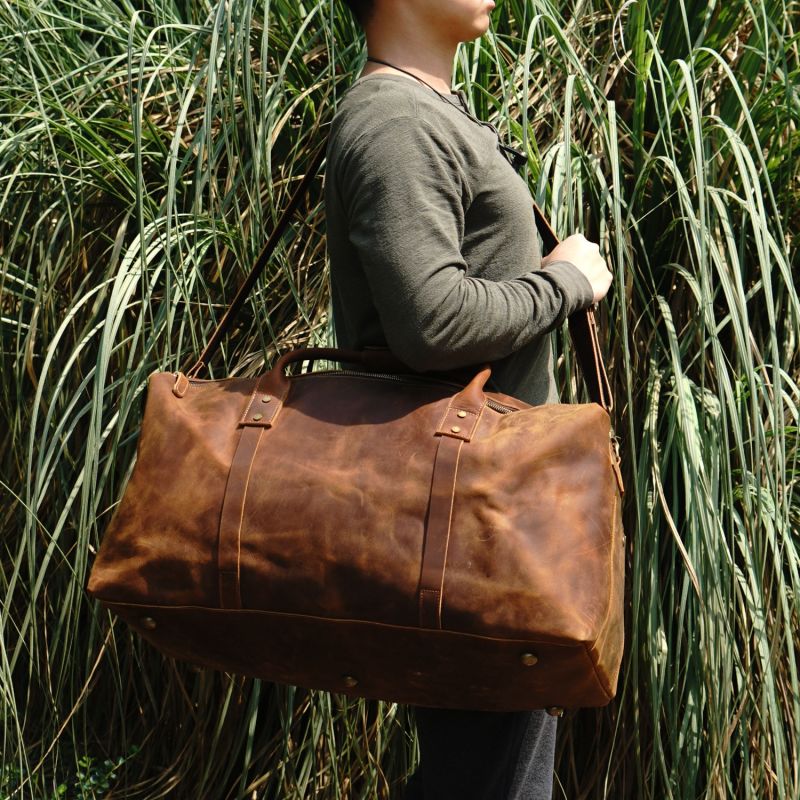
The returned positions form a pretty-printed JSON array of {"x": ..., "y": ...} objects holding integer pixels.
[{"x": 146, "y": 150}]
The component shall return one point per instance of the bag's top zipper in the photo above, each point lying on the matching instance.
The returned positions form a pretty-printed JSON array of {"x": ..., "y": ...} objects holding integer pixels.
[
  {"x": 386, "y": 376},
  {"x": 493, "y": 404}
]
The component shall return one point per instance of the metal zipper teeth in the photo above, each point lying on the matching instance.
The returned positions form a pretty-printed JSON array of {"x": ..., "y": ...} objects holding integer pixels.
[
  {"x": 499, "y": 406},
  {"x": 493, "y": 404},
  {"x": 382, "y": 376},
  {"x": 206, "y": 381}
]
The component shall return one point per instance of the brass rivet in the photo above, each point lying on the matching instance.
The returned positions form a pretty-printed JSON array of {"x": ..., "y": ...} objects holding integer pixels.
[
  {"x": 555, "y": 711},
  {"x": 528, "y": 659},
  {"x": 149, "y": 623},
  {"x": 455, "y": 429},
  {"x": 257, "y": 417},
  {"x": 266, "y": 398},
  {"x": 462, "y": 414},
  {"x": 349, "y": 681}
]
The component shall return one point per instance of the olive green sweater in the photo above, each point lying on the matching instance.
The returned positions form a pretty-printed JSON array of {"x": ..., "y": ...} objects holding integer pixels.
[{"x": 432, "y": 242}]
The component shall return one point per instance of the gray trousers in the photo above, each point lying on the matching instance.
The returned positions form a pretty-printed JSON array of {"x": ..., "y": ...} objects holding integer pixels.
[{"x": 483, "y": 755}]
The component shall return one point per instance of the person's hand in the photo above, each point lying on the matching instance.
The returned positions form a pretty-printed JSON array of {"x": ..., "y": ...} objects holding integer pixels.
[{"x": 585, "y": 255}]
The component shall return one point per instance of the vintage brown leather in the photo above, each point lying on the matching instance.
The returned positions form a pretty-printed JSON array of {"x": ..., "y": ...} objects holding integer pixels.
[{"x": 377, "y": 532}]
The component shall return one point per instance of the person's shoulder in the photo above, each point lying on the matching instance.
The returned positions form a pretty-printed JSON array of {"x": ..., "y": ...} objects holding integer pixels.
[
  {"x": 387, "y": 106},
  {"x": 367, "y": 104}
]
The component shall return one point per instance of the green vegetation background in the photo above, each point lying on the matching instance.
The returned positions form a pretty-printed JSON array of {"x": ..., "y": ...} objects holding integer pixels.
[{"x": 146, "y": 150}]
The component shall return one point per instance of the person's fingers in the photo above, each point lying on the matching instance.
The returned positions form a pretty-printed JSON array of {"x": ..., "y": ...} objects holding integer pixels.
[{"x": 585, "y": 255}]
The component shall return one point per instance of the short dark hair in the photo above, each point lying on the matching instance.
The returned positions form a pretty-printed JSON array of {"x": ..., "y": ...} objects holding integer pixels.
[{"x": 362, "y": 10}]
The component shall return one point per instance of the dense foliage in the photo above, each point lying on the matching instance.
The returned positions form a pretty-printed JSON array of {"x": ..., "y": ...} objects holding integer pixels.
[{"x": 146, "y": 150}]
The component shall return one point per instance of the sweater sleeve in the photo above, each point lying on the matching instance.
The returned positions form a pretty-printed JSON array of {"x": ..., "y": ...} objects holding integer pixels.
[{"x": 406, "y": 193}]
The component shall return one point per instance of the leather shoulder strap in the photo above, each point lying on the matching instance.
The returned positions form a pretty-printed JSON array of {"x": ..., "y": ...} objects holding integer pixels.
[
  {"x": 257, "y": 268},
  {"x": 582, "y": 324}
]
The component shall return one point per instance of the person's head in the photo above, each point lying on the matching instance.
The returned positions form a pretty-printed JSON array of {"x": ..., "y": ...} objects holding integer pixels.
[{"x": 449, "y": 20}]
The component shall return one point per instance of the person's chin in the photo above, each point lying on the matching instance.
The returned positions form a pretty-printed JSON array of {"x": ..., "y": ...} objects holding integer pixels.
[{"x": 481, "y": 26}]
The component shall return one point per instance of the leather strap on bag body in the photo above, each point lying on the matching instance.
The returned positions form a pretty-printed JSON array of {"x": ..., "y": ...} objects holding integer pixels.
[
  {"x": 456, "y": 427},
  {"x": 437, "y": 532},
  {"x": 232, "y": 518},
  {"x": 582, "y": 324}
]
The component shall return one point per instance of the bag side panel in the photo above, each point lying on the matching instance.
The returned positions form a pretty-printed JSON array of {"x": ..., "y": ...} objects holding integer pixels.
[
  {"x": 160, "y": 545},
  {"x": 532, "y": 528}
]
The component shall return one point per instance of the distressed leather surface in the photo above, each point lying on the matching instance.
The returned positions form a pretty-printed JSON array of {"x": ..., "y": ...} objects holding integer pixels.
[{"x": 310, "y": 524}]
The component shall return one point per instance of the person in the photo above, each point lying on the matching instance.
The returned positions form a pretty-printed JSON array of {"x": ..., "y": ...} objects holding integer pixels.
[{"x": 433, "y": 252}]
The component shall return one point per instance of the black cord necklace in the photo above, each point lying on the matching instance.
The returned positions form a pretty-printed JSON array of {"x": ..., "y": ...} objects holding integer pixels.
[{"x": 515, "y": 157}]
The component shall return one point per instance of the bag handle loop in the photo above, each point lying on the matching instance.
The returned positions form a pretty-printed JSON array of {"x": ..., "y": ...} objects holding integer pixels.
[{"x": 582, "y": 324}]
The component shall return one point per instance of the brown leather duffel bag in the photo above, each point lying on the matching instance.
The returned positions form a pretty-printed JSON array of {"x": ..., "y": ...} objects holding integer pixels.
[{"x": 377, "y": 532}]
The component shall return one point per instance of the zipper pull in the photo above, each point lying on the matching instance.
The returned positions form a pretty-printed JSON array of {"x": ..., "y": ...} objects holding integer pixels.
[{"x": 181, "y": 385}]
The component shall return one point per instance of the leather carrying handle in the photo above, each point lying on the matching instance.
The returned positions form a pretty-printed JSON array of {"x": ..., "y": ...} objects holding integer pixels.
[
  {"x": 582, "y": 324},
  {"x": 374, "y": 358}
]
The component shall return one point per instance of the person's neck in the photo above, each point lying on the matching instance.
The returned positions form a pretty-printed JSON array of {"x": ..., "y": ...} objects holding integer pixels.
[{"x": 434, "y": 67}]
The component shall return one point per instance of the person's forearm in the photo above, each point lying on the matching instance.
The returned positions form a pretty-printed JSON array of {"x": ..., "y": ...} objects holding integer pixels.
[{"x": 452, "y": 323}]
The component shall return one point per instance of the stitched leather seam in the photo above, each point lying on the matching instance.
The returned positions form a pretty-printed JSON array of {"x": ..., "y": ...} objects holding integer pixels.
[
  {"x": 344, "y": 620},
  {"x": 432, "y": 531},
  {"x": 234, "y": 503},
  {"x": 612, "y": 551},
  {"x": 612, "y": 548},
  {"x": 241, "y": 512},
  {"x": 422, "y": 593},
  {"x": 222, "y": 537},
  {"x": 612, "y": 555},
  {"x": 600, "y": 682},
  {"x": 466, "y": 437},
  {"x": 276, "y": 409},
  {"x": 478, "y": 421},
  {"x": 444, "y": 417},
  {"x": 447, "y": 535},
  {"x": 252, "y": 399}
]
